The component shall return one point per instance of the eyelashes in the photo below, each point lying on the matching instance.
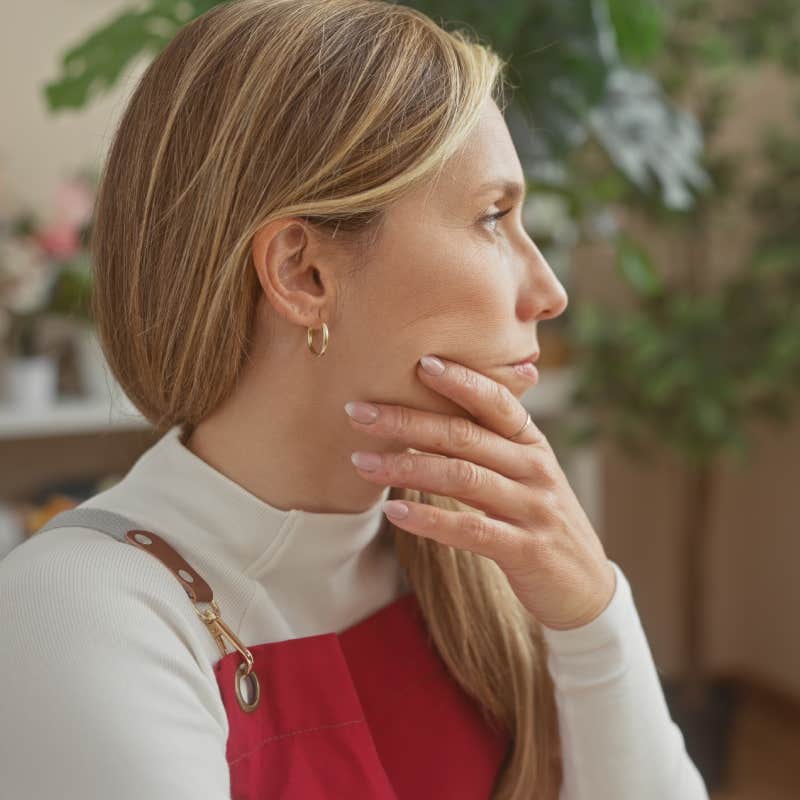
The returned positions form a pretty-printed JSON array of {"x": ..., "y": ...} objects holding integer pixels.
[{"x": 495, "y": 217}]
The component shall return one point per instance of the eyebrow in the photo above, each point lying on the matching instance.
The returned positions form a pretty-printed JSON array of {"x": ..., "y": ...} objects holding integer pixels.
[{"x": 512, "y": 190}]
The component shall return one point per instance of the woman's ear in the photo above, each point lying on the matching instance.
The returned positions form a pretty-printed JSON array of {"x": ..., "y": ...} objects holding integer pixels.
[{"x": 292, "y": 269}]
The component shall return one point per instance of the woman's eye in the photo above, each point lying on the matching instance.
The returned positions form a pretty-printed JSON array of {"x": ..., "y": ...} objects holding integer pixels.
[{"x": 493, "y": 218}]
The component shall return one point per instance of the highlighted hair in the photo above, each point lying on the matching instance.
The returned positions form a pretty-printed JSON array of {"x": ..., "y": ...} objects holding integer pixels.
[{"x": 328, "y": 110}]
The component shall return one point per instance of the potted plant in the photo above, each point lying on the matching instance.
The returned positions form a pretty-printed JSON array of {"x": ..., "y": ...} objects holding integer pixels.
[
  {"x": 696, "y": 361},
  {"x": 71, "y": 294},
  {"x": 30, "y": 373},
  {"x": 47, "y": 275}
]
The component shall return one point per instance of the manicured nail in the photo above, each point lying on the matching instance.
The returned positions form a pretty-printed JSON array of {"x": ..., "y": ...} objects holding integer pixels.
[
  {"x": 395, "y": 509},
  {"x": 366, "y": 461},
  {"x": 432, "y": 364},
  {"x": 362, "y": 412}
]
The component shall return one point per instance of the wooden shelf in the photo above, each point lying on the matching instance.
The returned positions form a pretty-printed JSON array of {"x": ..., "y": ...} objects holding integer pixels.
[{"x": 68, "y": 416}]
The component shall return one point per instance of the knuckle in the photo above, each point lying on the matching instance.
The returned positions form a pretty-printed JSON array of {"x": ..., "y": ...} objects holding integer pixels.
[
  {"x": 467, "y": 474},
  {"x": 540, "y": 510},
  {"x": 478, "y": 529},
  {"x": 461, "y": 433},
  {"x": 538, "y": 470},
  {"x": 400, "y": 421},
  {"x": 473, "y": 381},
  {"x": 548, "y": 506},
  {"x": 431, "y": 516},
  {"x": 405, "y": 463}
]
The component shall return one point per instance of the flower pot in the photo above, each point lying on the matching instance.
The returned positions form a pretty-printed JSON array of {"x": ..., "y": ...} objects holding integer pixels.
[
  {"x": 706, "y": 726},
  {"x": 94, "y": 373},
  {"x": 30, "y": 382}
]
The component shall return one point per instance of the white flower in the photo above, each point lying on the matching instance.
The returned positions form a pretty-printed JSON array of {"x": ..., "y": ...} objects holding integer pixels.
[{"x": 26, "y": 279}]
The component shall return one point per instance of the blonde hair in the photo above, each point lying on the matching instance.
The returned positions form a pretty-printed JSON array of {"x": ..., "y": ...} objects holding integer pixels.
[{"x": 326, "y": 110}]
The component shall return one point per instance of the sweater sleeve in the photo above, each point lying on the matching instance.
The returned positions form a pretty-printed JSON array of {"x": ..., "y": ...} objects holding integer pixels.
[
  {"x": 104, "y": 691},
  {"x": 618, "y": 739}
]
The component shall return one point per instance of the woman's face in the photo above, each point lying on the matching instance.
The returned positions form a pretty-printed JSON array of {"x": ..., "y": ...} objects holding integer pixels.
[
  {"x": 442, "y": 278},
  {"x": 446, "y": 279}
]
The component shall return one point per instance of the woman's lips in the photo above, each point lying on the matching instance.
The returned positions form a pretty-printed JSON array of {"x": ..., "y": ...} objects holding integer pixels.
[{"x": 527, "y": 369}]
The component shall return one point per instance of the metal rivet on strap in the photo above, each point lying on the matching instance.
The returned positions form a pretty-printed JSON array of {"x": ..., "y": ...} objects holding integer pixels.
[
  {"x": 186, "y": 576},
  {"x": 253, "y": 694},
  {"x": 142, "y": 539}
]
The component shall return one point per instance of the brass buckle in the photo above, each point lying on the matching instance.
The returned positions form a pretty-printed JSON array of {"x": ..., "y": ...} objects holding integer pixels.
[{"x": 218, "y": 629}]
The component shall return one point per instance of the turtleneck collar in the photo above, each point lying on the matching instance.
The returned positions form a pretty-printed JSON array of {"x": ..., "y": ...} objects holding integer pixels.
[{"x": 256, "y": 535}]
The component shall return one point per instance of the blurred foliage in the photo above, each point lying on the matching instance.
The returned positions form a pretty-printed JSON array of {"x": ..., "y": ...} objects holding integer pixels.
[
  {"x": 73, "y": 289},
  {"x": 695, "y": 362},
  {"x": 639, "y": 29},
  {"x": 594, "y": 125},
  {"x": 570, "y": 83},
  {"x": 97, "y": 62},
  {"x": 677, "y": 370}
]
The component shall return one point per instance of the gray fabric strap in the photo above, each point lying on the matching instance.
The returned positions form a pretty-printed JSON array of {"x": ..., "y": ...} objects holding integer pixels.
[
  {"x": 98, "y": 519},
  {"x": 193, "y": 583}
]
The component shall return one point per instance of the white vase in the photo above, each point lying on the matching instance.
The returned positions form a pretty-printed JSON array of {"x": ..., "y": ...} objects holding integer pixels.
[
  {"x": 31, "y": 382},
  {"x": 94, "y": 372}
]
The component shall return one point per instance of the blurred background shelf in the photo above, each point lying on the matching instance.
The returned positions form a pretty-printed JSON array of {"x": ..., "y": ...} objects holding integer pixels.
[
  {"x": 70, "y": 416},
  {"x": 77, "y": 440},
  {"x": 79, "y": 415}
]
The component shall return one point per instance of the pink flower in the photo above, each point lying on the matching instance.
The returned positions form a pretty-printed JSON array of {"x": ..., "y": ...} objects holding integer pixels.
[
  {"x": 60, "y": 239},
  {"x": 74, "y": 201}
]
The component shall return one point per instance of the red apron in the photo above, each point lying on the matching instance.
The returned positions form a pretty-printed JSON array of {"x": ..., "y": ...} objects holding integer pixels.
[{"x": 370, "y": 713}]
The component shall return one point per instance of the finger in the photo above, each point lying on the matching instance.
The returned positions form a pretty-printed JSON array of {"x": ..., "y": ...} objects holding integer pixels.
[
  {"x": 449, "y": 436},
  {"x": 454, "y": 477},
  {"x": 465, "y": 530},
  {"x": 493, "y": 404}
]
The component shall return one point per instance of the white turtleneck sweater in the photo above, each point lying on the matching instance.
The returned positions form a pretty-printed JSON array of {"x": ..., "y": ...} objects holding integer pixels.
[{"x": 107, "y": 686}]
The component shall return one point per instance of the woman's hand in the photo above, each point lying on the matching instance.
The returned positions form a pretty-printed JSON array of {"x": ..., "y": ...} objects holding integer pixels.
[{"x": 534, "y": 528}]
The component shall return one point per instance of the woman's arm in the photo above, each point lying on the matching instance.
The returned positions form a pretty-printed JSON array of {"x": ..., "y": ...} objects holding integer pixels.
[
  {"x": 102, "y": 692},
  {"x": 619, "y": 741}
]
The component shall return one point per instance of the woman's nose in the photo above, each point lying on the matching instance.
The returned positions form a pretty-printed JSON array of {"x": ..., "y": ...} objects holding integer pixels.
[
  {"x": 557, "y": 300},
  {"x": 547, "y": 294}
]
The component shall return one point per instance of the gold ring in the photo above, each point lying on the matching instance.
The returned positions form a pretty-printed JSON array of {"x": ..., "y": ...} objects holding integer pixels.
[{"x": 527, "y": 422}]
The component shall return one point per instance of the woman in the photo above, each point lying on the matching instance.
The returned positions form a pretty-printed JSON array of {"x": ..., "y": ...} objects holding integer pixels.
[{"x": 285, "y": 168}]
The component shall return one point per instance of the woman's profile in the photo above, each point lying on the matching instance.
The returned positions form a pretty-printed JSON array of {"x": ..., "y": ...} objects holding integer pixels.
[{"x": 302, "y": 199}]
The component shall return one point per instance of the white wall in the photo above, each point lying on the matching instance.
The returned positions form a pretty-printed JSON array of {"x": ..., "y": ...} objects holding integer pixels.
[{"x": 39, "y": 147}]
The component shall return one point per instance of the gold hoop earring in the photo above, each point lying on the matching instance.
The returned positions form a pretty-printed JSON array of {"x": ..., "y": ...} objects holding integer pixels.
[{"x": 309, "y": 338}]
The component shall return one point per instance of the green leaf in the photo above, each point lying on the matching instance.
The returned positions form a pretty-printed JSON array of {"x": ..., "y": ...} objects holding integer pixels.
[
  {"x": 636, "y": 268},
  {"x": 99, "y": 60},
  {"x": 639, "y": 26}
]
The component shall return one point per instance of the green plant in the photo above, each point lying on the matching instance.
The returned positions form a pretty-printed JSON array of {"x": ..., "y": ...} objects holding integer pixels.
[
  {"x": 44, "y": 266},
  {"x": 567, "y": 66},
  {"x": 696, "y": 363}
]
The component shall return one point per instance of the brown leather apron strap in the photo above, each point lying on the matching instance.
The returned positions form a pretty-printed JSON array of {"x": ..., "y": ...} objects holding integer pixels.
[{"x": 196, "y": 587}]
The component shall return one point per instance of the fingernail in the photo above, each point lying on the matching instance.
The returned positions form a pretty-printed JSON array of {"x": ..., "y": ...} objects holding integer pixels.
[
  {"x": 432, "y": 365},
  {"x": 362, "y": 412},
  {"x": 366, "y": 461},
  {"x": 395, "y": 509}
]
